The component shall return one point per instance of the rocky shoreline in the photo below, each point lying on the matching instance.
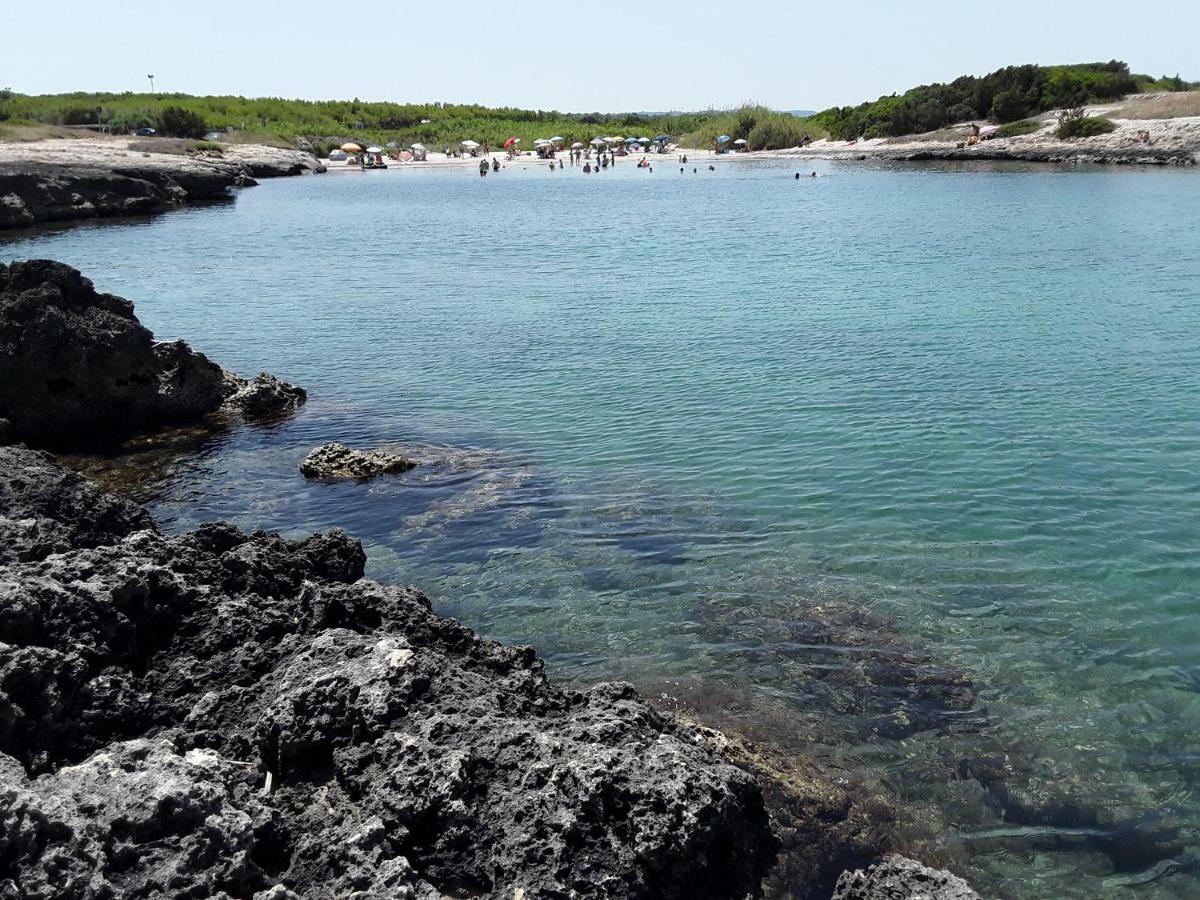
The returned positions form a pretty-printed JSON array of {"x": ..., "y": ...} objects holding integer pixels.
[
  {"x": 65, "y": 180},
  {"x": 224, "y": 714}
]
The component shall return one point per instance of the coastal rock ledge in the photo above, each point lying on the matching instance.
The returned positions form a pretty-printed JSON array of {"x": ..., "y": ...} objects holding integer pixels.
[
  {"x": 222, "y": 714},
  {"x": 77, "y": 367}
]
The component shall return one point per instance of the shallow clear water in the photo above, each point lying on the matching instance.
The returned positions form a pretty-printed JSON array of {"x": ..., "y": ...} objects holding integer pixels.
[{"x": 963, "y": 403}]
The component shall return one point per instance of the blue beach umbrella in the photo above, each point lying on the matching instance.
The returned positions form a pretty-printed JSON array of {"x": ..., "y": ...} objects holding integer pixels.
[{"x": 723, "y": 139}]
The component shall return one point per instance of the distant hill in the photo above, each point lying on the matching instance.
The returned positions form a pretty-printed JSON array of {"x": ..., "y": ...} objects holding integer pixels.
[
  {"x": 1006, "y": 95},
  {"x": 802, "y": 113}
]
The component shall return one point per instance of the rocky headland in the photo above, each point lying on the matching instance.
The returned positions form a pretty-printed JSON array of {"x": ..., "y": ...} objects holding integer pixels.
[
  {"x": 62, "y": 180},
  {"x": 237, "y": 715}
]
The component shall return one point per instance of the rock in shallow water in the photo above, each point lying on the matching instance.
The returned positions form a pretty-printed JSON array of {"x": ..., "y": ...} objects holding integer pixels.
[
  {"x": 219, "y": 711},
  {"x": 263, "y": 396},
  {"x": 334, "y": 460},
  {"x": 900, "y": 878}
]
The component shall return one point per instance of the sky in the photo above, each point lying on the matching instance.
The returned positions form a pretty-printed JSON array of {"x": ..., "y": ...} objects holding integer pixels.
[{"x": 568, "y": 55}]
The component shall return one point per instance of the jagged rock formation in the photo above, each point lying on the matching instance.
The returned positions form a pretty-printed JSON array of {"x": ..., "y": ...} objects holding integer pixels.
[
  {"x": 46, "y": 509},
  {"x": 900, "y": 878},
  {"x": 334, "y": 460},
  {"x": 77, "y": 367},
  {"x": 263, "y": 396},
  {"x": 226, "y": 712}
]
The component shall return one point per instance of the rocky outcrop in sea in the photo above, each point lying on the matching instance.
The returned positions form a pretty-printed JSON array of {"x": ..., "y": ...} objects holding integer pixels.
[
  {"x": 899, "y": 878},
  {"x": 79, "y": 368},
  {"x": 334, "y": 460}
]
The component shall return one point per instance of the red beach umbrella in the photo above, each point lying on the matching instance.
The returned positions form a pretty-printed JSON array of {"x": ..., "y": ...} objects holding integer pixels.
[{"x": 511, "y": 141}]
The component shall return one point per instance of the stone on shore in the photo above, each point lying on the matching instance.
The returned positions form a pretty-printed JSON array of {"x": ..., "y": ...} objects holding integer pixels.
[
  {"x": 77, "y": 368},
  {"x": 221, "y": 712},
  {"x": 334, "y": 460},
  {"x": 262, "y": 397},
  {"x": 900, "y": 878}
]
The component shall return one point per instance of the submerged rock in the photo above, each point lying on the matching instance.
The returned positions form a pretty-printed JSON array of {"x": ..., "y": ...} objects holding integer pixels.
[
  {"x": 77, "y": 367},
  {"x": 900, "y": 878},
  {"x": 263, "y": 396},
  {"x": 334, "y": 460},
  {"x": 240, "y": 713}
]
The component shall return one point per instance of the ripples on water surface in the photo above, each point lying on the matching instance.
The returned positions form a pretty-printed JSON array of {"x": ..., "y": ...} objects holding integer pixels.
[{"x": 740, "y": 430}]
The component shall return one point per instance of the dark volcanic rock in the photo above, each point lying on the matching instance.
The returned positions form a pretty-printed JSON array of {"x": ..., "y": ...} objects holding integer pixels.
[
  {"x": 77, "y": 366},
  {"x": 263, "y": 396},
  {"x": 900, "y": 878},
  {"x": 227, "y": 712},
  {"x": 46, "y": 509},
  {"x": 334, "y": 460}
]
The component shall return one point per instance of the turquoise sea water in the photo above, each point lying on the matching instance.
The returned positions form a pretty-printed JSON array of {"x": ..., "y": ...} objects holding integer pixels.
[{"x": 782, "y": 448}]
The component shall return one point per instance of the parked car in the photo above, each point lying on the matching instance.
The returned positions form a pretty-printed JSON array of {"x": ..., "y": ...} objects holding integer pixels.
[{"x": 145, "y": 132}]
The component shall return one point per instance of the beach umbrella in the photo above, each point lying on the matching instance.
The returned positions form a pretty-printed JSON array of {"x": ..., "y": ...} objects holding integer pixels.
[
  {"x": 599, "y": 142},
  {"x": 740, "y": 141},
  {"x": 663, "y": 137},
  {"x": 558, "y": 139},
  {"x": 631, "y": 140},
  {"x": 577, "y": 146},
  {"x": 374, "y": 149},
  {"x": 643, "y": 140},
  {"x": 511, "y": 141},
  {"x": 351, "y": 148},
  {"x": 470, "y": 144},
  {"x": 540, "y": 142},
  {"x": 723, "y": 139},
  {"x": 417, "y": 146},
  {"x": 392, "y": 144}
]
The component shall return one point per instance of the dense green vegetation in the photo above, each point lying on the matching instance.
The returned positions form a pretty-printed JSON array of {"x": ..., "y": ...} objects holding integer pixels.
[
  {"x": 1006, "y": 95},
  {"x": 762, "y": 128},
  {"x": 329, "y": 122},
  {"x": 1076, "y": 125},
  {"x": 1014, "y": 129}
]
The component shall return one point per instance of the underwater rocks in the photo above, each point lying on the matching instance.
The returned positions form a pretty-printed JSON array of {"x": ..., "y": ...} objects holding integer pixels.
[
  {"x": 228, "y": 712},
  {"x": 334, "y": 460},
  {"x": 77, "y": 367},
  {"x": 900, "y": 878},
  {"x": 262, "y": 397}
]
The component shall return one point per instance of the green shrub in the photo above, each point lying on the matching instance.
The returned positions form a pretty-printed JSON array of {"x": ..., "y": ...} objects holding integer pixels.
[
  {"x": 208, "y": 145},
  {"x": 1025, "y": 126},
  {"x": 175, "y": 121},
  {"x": 1084, "y": 126}
]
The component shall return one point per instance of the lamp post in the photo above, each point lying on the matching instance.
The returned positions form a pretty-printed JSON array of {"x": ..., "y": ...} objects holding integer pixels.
[{"x": 151, "y": 77}]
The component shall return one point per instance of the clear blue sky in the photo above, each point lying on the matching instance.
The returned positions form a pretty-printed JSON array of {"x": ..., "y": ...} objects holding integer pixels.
[{"x": 593, "y": 55}]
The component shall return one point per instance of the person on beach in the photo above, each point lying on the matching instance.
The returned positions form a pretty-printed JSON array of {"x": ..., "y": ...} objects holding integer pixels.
[{"x": 587, "y": 168}]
